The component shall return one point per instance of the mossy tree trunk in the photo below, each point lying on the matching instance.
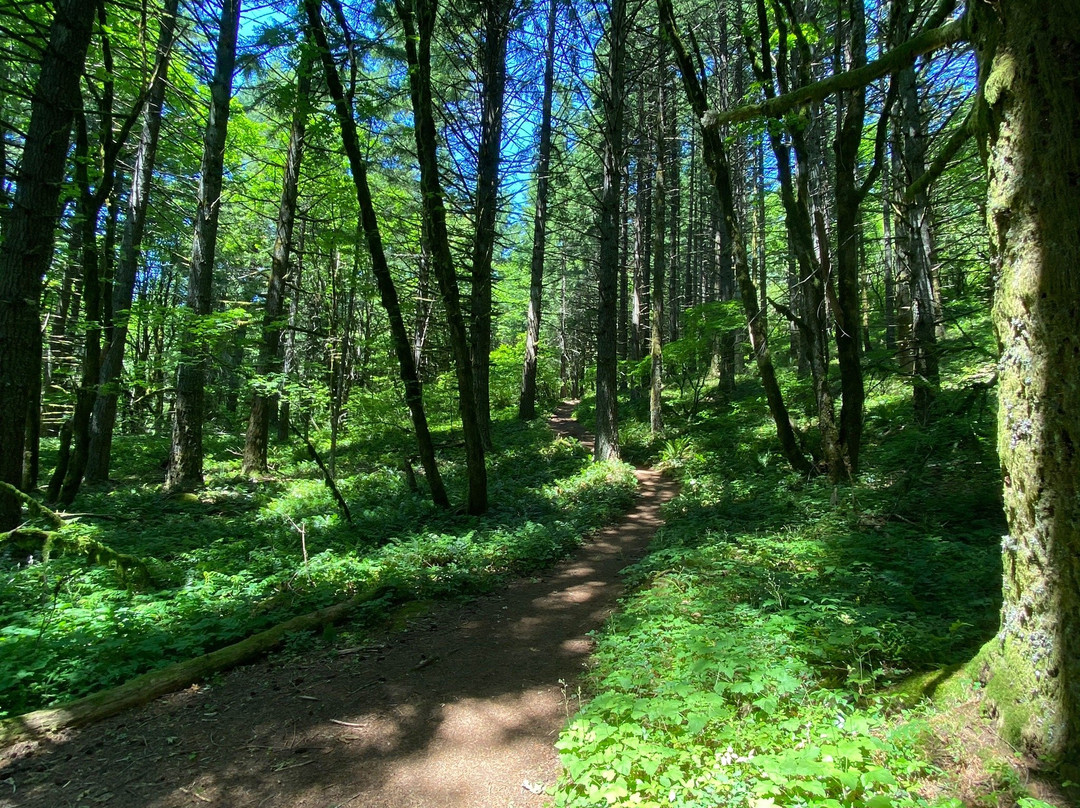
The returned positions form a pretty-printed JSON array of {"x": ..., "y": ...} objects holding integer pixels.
[{"x": 1030, "y": 64}]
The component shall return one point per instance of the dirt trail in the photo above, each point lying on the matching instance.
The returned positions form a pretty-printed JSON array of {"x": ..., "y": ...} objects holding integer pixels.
[{"x": 460, "y": 710}]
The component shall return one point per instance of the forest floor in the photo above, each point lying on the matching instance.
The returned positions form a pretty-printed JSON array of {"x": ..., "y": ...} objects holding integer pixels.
[{"x": 452, "y": 705}]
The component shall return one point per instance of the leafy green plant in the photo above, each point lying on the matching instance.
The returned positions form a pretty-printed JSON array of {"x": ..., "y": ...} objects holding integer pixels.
[
  {"x": 751, "y": 665},
  {"x": 239, "y": 557}
]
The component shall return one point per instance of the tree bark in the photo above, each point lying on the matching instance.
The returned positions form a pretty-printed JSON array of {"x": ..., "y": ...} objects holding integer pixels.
[
  {"x": 418, "y": 20},
  {"x": 639, "y": 305},
  {"x": 527, "y": 401},
  {"x": 612, "y": 90},
  {"x": 496, "y": 15},
  {"x": 29, "y": 231},
  {"x": 258, "y": 430},
  {"x": 70, "y": 464},
  {"x": 914, "y": 231},
  {"x": 189, "y": 410},
  {"x": 849, "y": 196},
  {"x": 809, "y": 316},
  {"x": 660, "y": 259},
  {"x": 715, "y": 157},
  {"x": 370, "y": 224},
  {"x": 1029, "y": 62}
]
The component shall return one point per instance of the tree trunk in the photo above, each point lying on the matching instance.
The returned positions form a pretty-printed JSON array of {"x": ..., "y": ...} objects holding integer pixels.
[
  {"x": 660, "y": 259},
  {"x": 849, "y": 196},
  {"x": 70, "y": 471},
  {"x": 29, "y": 231},
  {"x": 914, "y": 232},
  {"x": 257, "y": 438},
  {"x": 527, "y": 402},
  {"x": 97, "y": 266},
  {"x": 674, "y": 208},
  {"x": 1029, "y": 63},
  {"x": 370, "y": 224},
  {"x": 189, "y": 411},
  {"x": 288, "y": 360},
  {"x": 639, "y": 306},
  {"x": 715, "y": 157},
  {"x": 496, "y": 14},
  {"x": 795, "y": 195},
  {"x": 612, "y": 90},
  {"x": 889, "y": 261},
  {"x": 418, "y": 20}
]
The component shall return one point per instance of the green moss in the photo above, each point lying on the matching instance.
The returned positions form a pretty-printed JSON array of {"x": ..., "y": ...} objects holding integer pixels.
[
  {"x": 400, "y": 617},
  {"x": 951, "y": 683},
  {"x": 1002, "y": 75},
  {"x": 1009, "y": 687}
]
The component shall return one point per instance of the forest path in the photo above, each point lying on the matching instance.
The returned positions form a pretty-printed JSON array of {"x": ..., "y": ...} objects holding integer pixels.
[{"x": 459, "y": 710}]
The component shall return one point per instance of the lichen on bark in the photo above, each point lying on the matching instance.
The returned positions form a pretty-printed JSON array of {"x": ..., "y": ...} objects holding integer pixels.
[{"x": 1031, "y": 58}]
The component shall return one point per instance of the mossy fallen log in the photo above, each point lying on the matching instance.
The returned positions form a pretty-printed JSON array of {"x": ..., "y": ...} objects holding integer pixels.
[
  {"x": 55, "y": 519},
  {"x": 46, "y": 542},
  {"x": 150, "y": 686}
]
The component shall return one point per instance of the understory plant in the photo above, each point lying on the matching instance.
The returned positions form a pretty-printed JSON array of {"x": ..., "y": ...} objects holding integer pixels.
[
  {"x": 756, "y": 660},
  {"x": 243, "y": 555}
]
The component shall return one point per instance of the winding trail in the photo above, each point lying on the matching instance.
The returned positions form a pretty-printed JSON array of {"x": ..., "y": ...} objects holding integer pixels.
[{"x": 460, "y": 710}]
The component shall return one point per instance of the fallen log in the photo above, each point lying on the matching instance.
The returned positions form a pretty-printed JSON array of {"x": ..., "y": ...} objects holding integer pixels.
[
  {"x": 149, "y": 686},
  {"x": 128, "y": 567}
]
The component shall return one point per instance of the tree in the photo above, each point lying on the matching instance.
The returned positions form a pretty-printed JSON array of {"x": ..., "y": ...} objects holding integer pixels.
[
  {"x": 849, "y": 195},
  {"x": 103, "y": 420},
  {"x": 97, "y": 258},
  {"x": 527, "y": 402},
  {"x": 715, "y": 156},
  {"x": 496, "y": 17},
  {"x": 612, "y": 90},
  {"x": 29, "y": 232},
  {"x": 1027, "y": 116},
  {"x": 808, "y": 308},
  {"x": 660, "y": 191},
  {"x": 1029, "y": 62},
  {"x": 186, "y": 454},
  {"x": 369, "y": 223},
  {"x": 418, "y": 21},
  {"x": 915, "y": 249},
  {"x": 255, "y": 441}
]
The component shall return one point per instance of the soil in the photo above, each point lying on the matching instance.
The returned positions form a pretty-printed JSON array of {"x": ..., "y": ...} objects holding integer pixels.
[{"x": 460, "y": 709}]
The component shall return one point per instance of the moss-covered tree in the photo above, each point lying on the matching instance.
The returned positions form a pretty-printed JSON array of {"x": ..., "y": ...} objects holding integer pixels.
[{"x": 1030, "y": 67}]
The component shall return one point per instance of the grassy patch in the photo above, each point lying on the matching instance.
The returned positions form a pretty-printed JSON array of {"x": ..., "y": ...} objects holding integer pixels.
[
  {"x": 754, "y": 664},
  {"x": 243, "y": 555}
]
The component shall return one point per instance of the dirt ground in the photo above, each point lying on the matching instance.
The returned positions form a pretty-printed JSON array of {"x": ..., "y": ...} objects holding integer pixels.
[{"x": 459, "y": 710}]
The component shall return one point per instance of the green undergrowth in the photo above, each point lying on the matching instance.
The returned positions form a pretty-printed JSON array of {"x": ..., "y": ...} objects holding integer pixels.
[
  {"x": 755, "y": 662},
  {"x": 242, "y": 555}
]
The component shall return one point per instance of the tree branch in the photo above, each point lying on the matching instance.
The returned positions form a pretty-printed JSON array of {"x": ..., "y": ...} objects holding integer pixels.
[
  {"x": 944, "y": 155},
  {"x": 898, "y": 57}
]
